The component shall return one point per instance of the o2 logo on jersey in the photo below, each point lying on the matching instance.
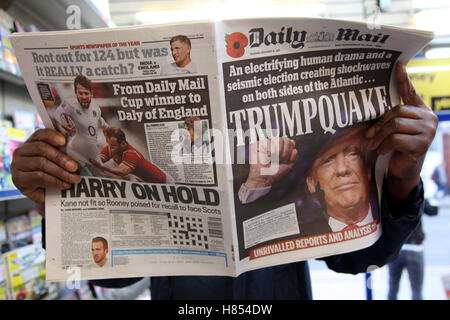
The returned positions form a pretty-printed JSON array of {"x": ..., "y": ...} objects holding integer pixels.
[{"x": 92, "y": 131}]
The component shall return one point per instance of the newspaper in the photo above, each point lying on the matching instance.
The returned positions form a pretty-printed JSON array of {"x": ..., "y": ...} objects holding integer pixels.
[{"x": 211, "y": 158}]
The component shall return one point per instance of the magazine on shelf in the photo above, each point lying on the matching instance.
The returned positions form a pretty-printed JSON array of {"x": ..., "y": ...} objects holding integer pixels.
[
  {"x": 25, "y": 274},
  {"x": 200, "y": 142},
  {"x": 3, "y": 284}
]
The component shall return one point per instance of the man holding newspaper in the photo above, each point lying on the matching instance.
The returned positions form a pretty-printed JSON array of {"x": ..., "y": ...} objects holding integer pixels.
[{"x": 407, "y": 131}]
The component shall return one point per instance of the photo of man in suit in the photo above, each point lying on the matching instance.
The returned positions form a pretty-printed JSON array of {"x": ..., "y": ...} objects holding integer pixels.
[
  {"x": 338, "y": 176},
  {"x": 339, "y": 180}
]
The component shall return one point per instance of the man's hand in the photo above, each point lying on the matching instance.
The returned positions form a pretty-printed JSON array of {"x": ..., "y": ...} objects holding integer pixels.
[
  {"x": 38, "y": 164},
  {"x": 408, "y": 131},
  {"x": 270, "y": 160}
]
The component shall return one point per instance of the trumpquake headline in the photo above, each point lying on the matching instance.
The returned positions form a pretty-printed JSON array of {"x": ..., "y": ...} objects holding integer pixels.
[
  {"x": 304, "y": 92},
  {"x": 296, "y": 118},
  {"x": 90, "y": 191}
]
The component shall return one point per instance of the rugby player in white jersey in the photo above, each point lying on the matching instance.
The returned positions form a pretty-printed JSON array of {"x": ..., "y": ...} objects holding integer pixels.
[{"x": 80, "y": 119}]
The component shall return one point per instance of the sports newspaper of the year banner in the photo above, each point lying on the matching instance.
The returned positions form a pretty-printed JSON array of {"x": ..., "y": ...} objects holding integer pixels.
[{"x": 208, "y": 148}]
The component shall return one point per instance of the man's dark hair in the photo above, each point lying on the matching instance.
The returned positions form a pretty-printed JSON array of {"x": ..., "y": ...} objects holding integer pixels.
[
  {"x": 358, "y": 129},
  {"x": 182, "y": 39},
  {"x": 102, "y": 240},
  {"x": 115, "y": 132},
  {"x": 369, "y": 157},
  {"x": 83, "y": 81}
]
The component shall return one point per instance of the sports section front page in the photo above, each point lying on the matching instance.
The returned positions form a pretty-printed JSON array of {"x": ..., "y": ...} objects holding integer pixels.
[{"x": 199, "y": 142}]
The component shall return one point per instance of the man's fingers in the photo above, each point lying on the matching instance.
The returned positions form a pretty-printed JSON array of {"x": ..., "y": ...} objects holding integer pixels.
[
  {"x": 406, "y": 88},
  {"x": 286, "y": 147},
  {"x": 294, "y": 156},
  {"x": 41, "y": 149},
  {"x": 281, "y": 148},
  {"x": 393, "y": 125},
  {"x": 412, "y": 145},
  {"x": 397, "y": 112},
  {"x": 44, "y": 165},
  {"x": 37, "y": 196},
  {"x": 278, "y": 147},
  {"x": 289, "y": 150},
  {"x": 39, "y": 179},
  {"x": 49, "y": 136},
  {"x": 410, "y": 98}
]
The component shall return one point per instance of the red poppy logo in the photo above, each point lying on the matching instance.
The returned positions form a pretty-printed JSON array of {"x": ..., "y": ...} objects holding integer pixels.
[{"x": 236, "y": 43}]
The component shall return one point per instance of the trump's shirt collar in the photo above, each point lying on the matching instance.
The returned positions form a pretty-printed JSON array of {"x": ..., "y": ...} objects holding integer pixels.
[{"x": 337, "y": 225}]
